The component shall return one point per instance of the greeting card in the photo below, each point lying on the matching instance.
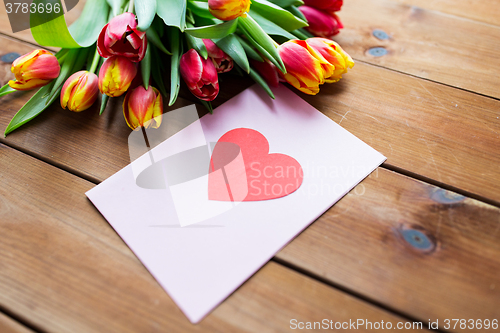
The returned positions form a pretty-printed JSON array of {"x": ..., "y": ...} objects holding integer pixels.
[{"x": 210, "y": 205}]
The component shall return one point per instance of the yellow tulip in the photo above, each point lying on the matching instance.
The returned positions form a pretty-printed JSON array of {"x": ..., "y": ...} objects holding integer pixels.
[
  {"x": 227, "y": 10},
  {"x": 79, "y": 91}
]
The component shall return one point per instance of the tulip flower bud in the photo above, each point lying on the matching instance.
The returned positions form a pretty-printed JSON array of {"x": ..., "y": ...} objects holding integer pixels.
[
  {"x": 200, "y": 75},
  {"x": 321, "y": 24},
  {"x": 34, "y": 69},
  {"x": 325, "y": 5},
  {"x": 267, "y": 70},
  {"x": 227, "y": 10},
  {"x": 334, "y": 54},
  {"x": 143, "y": 108},
  {"x": 222, "y": 62},
  {"x": 116, "y": 75},
  {"x": 306, "y": 69},
  {"x": 79, "y": 91},
  {"x": 120, "y": 37}
]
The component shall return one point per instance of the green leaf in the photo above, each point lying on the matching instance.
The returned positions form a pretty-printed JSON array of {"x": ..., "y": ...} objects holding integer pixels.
[
  {"x": 146, "y": 68},
  {"x": 197, "y": 44},
  {"x": 306, "y": 33},
  {"x": 261, "y": 41},
  {"x": 157, "y": 72},
  {"x": 270, "y": 27},
  {"x": 235, "y": 50},
  {"x": 296, "y": 12},
  {"x": 286, "y": 3},
  {"x": 116, "y": 6},
  {"x": 83, "y": 32},
  {"x": 220, "y": 30},
  {"x": 104, "y": 102},
  {"x": 175, "y": 78},
  {"x": 31, "y": 109},
  {"x": 154, "y": 38},
  {"x": 300, "y": 34},
  {"x": 65, "y": 72},
  {"x": 261, "y": 82},
  {"x": 208, "y": 105},
  {"x": 146, "y": 11},
  {"x": 172, "y": 12},
  {"x": 5, "y": 90},
  {"x": 200, "y": 8},
  {"x": 278, "y": 15},
  {"x": 249, "y": 50},
  {"x": 189, "y": 16}
]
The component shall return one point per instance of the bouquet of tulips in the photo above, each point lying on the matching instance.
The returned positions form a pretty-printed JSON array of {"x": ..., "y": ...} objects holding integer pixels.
[{"x": 120, "y": 47}]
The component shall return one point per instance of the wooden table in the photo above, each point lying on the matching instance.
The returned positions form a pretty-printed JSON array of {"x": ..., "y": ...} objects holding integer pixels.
[{"x": 420, "y": 243}]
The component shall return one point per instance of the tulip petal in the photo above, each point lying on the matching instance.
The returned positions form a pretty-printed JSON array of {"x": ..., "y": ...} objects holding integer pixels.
[{"x": 101, "y": 47}]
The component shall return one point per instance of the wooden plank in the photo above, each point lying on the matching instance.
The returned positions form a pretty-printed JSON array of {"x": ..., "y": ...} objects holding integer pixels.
[
  {"x": 411, "y": 246},
  {"x": 483, "y": 11},
  {"x": 63, "y": 268},
  {"x": 429, "y": 44},
  {"x": 9, "y": 325},
  {"x": 429, "y": 129},
  {"x": 393, "y": 100}
]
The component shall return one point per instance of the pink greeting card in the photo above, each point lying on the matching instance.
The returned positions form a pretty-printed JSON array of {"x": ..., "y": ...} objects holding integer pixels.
[{"x": 210, "y": 205}]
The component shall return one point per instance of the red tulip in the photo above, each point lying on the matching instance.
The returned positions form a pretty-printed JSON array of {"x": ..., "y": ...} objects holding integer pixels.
[
  {"x": 79, "y": 91},
  {"x": 321, "y": 24},
  {"x": 116, "y": 75},
  {"x": 143, "y": 108},
  {"x": 326, "y": 5},
  {"x": 120, "y": 37},
  {"x": 222, "y": 62},
  {"x": 200, "y": 75},
  {"x": 34, "y": 69},
  {"x": 267, "y": 70}
]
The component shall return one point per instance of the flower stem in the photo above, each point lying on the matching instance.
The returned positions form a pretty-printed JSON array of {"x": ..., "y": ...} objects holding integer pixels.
[
  {"x": 131, "y": 6},
  {"x": 95, "y": 61}
]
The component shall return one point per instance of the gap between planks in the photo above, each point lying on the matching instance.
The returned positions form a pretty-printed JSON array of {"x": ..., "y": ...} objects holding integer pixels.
[
  {"x": 351, "y": 292},
  {"x": 24, "y": 326},
  {"x": 423, "y": 78}
]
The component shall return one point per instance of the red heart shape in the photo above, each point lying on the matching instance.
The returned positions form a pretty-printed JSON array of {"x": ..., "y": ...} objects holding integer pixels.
[{"x": 241, "y": 169}]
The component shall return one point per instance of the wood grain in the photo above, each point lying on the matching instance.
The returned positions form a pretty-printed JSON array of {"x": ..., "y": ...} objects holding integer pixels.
[
  {"x": 424, "y": 251},
  {"x": 435, "y": 46},
  {"x": 63, "y": 268},
  {"x": 483, "y": 11},
  {"x": 413, "y": 122},
  {"x": 431, "y": 130},
  {"x": 9, "y": 325}
]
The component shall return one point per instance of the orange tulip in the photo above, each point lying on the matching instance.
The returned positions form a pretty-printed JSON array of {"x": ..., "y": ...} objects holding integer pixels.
[
  {"x": 227, "y": 10},
  {"x": 313, "y": 62},
  {"x": 305, "y": 68},
  {"x": 334, "y": 54},
  {"x": 116, "y": 75},
  {"x": 79, "y": 91},
  {"x": 143, "y": 108},
  {"x": 34, "y": 69}
]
